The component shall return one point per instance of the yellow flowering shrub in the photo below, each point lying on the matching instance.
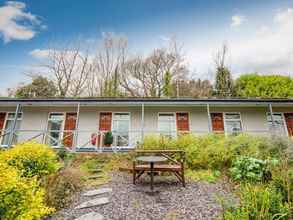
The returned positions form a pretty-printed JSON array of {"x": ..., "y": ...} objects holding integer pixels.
[
  {"x": 21, "y": 198},
  {"x": 31, "y": 159}
]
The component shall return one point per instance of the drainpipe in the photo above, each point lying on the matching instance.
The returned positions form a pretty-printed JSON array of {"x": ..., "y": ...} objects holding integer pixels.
[
  {"x": 209, "y": 118},
  {"x": 11, "y": 134},
  {"x": 272, "y": 118},
  {"x": 142, "y": 122},
  {"x": 76, "y": 128}
]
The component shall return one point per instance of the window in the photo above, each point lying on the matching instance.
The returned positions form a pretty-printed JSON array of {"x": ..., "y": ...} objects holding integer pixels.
[
  {"x": 279, "y": 123},
  {"x": 232, "y": 123},
  {"x": 9, "y": 126},
  {"x": 55, "y": 127},
  {"x": 167, "y": 124},
  {"x": 120, "y": 129}
]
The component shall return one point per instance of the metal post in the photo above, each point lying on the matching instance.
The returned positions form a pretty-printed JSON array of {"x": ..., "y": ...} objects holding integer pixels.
[
  {"x": 272, "y": 117},
  {"x": 76, "y": 128},
  {"x": 142, "y": 122},
  {"x": 209, "y": 118},
  {"x": 11, "y": 134}
]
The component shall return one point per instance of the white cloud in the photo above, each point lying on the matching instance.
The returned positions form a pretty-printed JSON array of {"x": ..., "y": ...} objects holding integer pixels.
[
  {"x": 265, "y": 46},
  {"x": 16, "y": 23},
  {"x": 237, "y": 20},
  {"x": 40, "y": 53},
  {"x": 270, "y": 49}
]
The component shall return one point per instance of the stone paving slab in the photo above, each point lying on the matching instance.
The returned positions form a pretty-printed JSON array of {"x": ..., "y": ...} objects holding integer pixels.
[
  {"x": 91, "y": 216},
  {"x": 96, "y": 192},
  {"x": 93, "y": 202}
]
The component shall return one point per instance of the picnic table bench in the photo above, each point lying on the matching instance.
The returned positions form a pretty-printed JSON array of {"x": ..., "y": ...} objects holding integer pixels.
[{"x": 173, "y": 162}]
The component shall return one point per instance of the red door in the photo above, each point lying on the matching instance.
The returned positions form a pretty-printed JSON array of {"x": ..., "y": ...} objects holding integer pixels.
[
  {"x": 2, "y": 119},
  {"x": 182, "y": 122},
  {"x": 217, "y": 122},
  {"x": 105, "y": 123},
  {"x": 289, "y": 123},
  {"x": 69, "y": 127}
]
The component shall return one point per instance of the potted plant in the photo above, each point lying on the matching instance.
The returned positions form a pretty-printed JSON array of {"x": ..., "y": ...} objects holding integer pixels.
[{"x": 108, "y": 140}]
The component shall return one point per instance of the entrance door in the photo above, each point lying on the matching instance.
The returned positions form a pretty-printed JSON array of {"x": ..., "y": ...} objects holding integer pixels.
[
  {"x": 217, "y": 122},
  {"x": 289, "y": 123},
  {"x": 182, "y": 122},
  {"x": 105, "y": 124},
  {"x": 69, "y": 127},
  {"x": 121, "y": 123}
]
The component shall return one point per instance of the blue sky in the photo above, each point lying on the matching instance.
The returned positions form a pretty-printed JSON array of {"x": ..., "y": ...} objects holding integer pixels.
[{"x": 258, "y": 33}]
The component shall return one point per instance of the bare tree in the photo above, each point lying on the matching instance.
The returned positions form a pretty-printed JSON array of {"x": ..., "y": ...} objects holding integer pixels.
[
  {"x": 145, "y": 76},
  {"x": 107, "y": 65},
  {"x": 68, "y": 67}
]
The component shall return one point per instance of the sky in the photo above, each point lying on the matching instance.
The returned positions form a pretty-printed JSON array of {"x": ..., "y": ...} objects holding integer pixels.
[{"x": 259, "y": 33}]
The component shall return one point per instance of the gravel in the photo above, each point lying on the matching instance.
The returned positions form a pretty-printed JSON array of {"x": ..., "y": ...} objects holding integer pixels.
[{"x": 170, "y": 201}]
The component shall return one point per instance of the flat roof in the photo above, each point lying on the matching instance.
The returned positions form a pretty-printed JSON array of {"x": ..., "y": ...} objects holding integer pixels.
[{"x": 149, "y": 101}]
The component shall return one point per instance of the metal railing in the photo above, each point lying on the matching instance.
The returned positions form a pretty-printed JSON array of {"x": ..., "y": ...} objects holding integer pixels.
[{"x": 94, "y": 139}]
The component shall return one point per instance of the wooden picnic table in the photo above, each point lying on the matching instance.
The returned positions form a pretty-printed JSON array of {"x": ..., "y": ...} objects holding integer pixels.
[{"x": 153, "y": 161}]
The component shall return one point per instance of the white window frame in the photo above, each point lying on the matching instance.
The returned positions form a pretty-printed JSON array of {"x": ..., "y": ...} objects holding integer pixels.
[
  {"x": 175, "y": 124},
  {"x": 225, "y": 124},
  {"x": 283, "y": 119},
  {"x": 112, "y": 123},
  {"x": 5, "y": 122},
  {"x": 62, "y": 126}
]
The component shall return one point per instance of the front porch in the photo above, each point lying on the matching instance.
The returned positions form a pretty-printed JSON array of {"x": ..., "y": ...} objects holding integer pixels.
[{"x": 82, "y": 125}]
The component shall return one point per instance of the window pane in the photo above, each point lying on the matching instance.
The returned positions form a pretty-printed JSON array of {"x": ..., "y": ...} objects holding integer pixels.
[
  {"x": 232, "y": 116},
  {"x": 9, "y": 127},
  {"x": 57, "y": 117},
  {"x": 55, "y": 128},
  {"x": 278, "y": 123},
  {"x": 232, "y": 123},
  {"x": 121, "y": 129},
  {"x": 166, "y": 124},
  {"x": 121, "y": 116},
  {"x": 166, "y": 117},
  {"x": 233, "y": 126}
]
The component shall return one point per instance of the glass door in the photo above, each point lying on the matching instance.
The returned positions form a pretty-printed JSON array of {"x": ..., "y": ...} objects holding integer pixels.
[
  {"x": 55, "y": 129},
  {"x": 8, "y": 128},
  {"x": 121, "y": 124}
]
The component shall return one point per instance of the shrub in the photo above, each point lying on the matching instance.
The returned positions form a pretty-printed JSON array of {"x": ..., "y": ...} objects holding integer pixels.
[
  {"x": 108, "y": 138},
  {"x": 61, "y": 186},
  {"x": 248, "y": 169},
  {"x": 31, "y": 159},
  {"x": 20, "y": 197},
  {"x": 258, "y": 202}
]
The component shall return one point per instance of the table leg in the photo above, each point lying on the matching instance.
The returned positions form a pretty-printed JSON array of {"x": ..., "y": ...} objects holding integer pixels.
[{"x": 152, "y": 176}]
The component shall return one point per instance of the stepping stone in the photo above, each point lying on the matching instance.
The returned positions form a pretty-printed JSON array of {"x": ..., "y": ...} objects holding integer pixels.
[
  {"x": 91, "y": 216},
  {"x": 95, "y": 170},
  {"x": 94, "y": 202},
  {"x": 97, "y": 192},
  {"x": 95, "y": 177}
]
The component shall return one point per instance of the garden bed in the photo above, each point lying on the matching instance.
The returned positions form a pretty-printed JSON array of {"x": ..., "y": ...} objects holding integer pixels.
[{"x": 199, "y": 200}]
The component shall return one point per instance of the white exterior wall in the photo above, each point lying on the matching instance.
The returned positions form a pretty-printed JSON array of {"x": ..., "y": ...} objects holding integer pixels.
[
  {"x": 35, "y": 119},
  {"x": 253, "y": 119}
]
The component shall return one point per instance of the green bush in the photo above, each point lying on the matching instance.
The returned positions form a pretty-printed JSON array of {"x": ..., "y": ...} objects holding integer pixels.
[
  {"x": 217, "y": 151},
  {"x": 61, "y": 186},
  {"x": 31, "y": 159},
  {"x": 108, "y": 138},
  {"x": 20, "y": 198},
  {"x": 248, "y": 169},
  {"x": 260, "y": 202}
]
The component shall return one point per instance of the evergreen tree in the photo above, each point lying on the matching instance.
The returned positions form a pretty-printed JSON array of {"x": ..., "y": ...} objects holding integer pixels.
[
  {"x": 40, "y": 87},
  {"x": 224, "y": 81},
  {"x": 167, "y": 87}
]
